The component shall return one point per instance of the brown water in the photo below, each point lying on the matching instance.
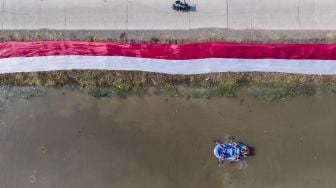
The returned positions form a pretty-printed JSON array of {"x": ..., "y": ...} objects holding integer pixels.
[{"x": 69, "y": 140}]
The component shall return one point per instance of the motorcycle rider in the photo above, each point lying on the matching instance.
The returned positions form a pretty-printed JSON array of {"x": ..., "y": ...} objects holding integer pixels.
[{"x": 179, "y": 4}]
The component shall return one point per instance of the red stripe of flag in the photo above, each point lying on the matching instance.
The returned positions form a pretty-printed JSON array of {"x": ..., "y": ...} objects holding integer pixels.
[{"x": 170, "y": 51}]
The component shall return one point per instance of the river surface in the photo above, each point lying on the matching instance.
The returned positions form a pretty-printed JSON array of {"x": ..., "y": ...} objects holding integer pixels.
[{"x": 67, "y": 139}]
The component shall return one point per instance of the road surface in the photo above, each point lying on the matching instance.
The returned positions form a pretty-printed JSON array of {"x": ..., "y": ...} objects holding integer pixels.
[{"x": 158, "y": 15}]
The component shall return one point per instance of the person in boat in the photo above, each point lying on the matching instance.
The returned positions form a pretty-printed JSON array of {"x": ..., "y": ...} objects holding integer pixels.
[
  {"x": 223, "y": 156},
  {"x": 219, "y": 151},
  {"x": 234, "y": 144},
  {"x": 245, "y": 151}
]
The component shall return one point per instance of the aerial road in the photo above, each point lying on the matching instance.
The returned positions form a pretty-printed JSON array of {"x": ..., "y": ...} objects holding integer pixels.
[{"x": 158, "y": 15}]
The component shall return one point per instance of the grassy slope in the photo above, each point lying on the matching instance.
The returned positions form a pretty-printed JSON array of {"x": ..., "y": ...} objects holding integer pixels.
[{"x": 271, "y": 86}]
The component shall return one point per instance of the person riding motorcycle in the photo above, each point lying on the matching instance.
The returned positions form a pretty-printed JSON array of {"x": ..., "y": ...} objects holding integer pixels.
[{"x": 179, "y": 4}]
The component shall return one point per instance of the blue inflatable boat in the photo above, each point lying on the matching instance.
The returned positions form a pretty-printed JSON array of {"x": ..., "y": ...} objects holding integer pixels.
[{"x": 231, "y": 151}]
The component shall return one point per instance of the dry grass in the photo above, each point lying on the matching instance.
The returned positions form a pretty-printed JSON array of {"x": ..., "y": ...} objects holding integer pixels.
[{"x": 220, "y": 84}]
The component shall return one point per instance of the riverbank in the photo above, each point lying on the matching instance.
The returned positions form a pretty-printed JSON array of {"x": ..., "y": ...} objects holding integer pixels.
[
  {"x": 275, "y": 86},
  {"x": 265, "y": 86}
]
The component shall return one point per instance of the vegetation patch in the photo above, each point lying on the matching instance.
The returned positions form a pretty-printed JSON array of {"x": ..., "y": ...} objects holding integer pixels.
[
  {"x": 274, "y": 94},
  {"x": 228, "y": 89},
  {"x": 265, "y": 86},
  {"x": 9, "y": 93},
  {"x": 21, "y": 92}
]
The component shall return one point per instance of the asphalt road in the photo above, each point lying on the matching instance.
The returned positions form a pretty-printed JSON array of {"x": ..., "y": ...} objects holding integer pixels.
[{"x": 158, "y": 15}]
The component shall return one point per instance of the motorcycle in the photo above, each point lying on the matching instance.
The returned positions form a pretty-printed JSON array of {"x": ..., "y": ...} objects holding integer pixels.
[{"x": 181, "y": 6}]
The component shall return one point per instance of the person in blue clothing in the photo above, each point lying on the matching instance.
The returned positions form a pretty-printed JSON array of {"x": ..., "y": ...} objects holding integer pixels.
[{"x": 223, "y": 156}]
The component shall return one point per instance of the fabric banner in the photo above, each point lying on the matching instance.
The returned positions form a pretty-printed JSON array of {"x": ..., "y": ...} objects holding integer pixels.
[{"x": 198, "y": 58}]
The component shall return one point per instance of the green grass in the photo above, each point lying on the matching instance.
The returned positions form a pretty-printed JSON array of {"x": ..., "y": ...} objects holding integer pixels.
[
  {"x": 275, "y": 94},
  {"x": 228, "y": 89}
]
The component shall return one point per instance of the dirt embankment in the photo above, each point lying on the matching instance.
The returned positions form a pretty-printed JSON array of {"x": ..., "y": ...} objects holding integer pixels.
[{"x": 265, "y": 86}]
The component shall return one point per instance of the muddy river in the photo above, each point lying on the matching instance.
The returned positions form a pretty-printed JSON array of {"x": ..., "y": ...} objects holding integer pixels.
[{"x": 67, "y": 139}]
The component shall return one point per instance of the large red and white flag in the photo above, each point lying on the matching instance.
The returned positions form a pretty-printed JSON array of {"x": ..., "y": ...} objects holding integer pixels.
[{"x": 198, "y": 58}]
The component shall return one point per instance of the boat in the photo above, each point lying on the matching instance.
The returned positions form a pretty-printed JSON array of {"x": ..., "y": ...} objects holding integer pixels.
[{"x": 231, "y": 151}]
